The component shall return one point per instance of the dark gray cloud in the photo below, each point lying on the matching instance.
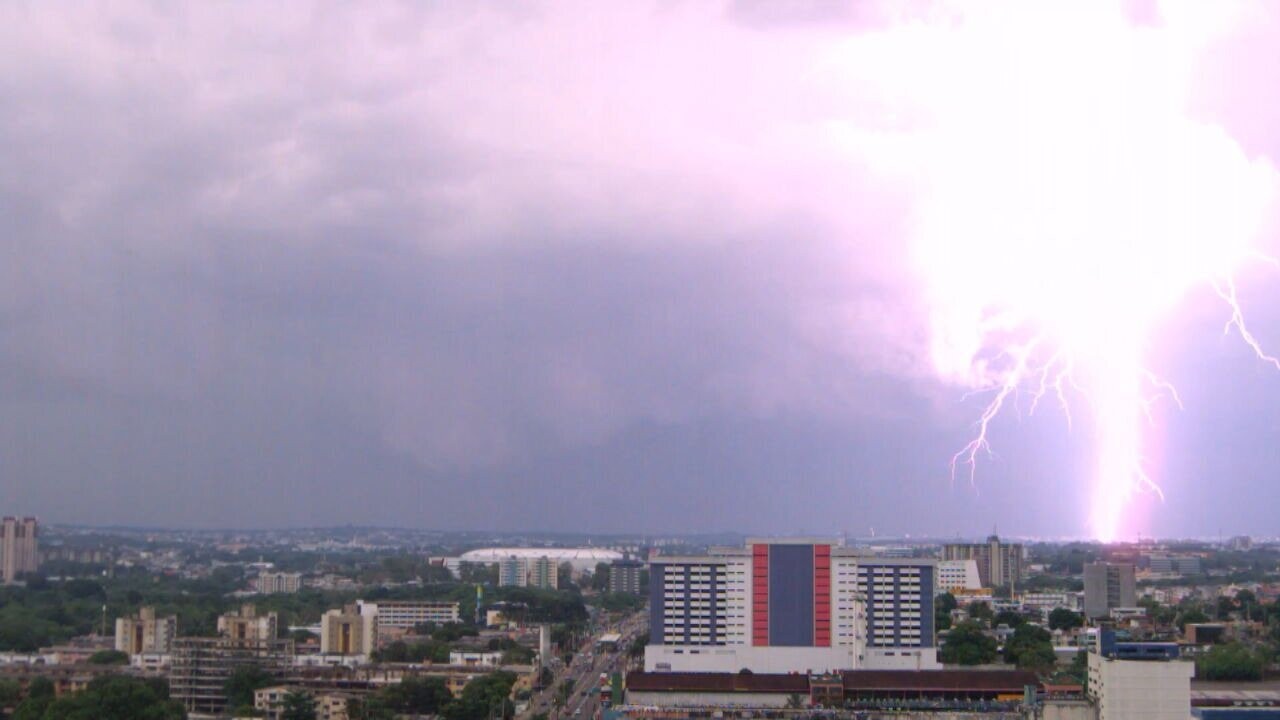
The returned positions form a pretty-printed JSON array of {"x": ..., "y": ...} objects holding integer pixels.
[{"x": 456, "y": 267}]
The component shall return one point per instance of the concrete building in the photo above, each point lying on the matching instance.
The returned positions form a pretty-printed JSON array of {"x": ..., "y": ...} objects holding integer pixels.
[
  {"x": 999, "y": 564},
  {"x": 347, "y": 632},
  {"x": 271, "y": 583},
  {"x": 247, "y": 624},
  {"x": 1138, "y": 681},
  {"x": 329, "y": 705},
  {"x": 520, "y": 571},
  {"x": 393, "y": 615},
  {"x": 958, "y": 575},
  {"x": 1108, "y": 586},
  {"x": 544, "y": 572},
  {"x": 201, "y": 666},
  {"x": 796, "y": 605},
  {"x": 624, "y": 576},
  {"x": 1163, "y": 564},
  {"x": 19, "y": 549},
  {"x": 146, "y": 633}
]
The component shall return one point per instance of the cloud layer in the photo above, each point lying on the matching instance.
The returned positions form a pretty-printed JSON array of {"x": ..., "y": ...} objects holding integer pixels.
[{"x": 624, "y": 266}]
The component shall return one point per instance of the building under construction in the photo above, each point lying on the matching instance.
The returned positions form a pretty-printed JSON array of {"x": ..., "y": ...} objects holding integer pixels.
[{"x": 201, "y": 666}]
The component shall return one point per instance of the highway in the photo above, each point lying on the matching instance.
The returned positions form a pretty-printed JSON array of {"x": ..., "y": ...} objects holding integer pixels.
[{"x": 585, "y": 670}]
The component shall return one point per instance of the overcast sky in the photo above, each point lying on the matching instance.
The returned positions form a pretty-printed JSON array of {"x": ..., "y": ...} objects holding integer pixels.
[{"x": 601, "y": 266}]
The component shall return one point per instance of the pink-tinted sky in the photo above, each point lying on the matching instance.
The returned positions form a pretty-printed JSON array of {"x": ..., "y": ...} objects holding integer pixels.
[{"x": 635, "y": 266}]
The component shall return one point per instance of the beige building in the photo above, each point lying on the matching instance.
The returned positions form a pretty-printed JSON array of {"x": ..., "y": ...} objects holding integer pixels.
[
  {"x": 19, "y": 552},
  {"x": 329, "y": 705},
  {"x": 347, "y": 632},
  {"x": 999, "y": 564},
  {"x": 1140, "y": 689},
  {"x": 247, "y": 624},
  {"x": 271, "y": 583},
  {"x": 146, "y": 633}
]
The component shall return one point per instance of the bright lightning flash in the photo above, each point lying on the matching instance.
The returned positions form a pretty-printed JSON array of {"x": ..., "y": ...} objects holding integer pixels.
[{"x": 1070, "y": 203}]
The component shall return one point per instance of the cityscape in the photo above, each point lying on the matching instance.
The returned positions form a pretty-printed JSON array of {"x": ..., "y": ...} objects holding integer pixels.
[
  {"x": 355, "y": 623},
  {"x": 640, "y": 360}
]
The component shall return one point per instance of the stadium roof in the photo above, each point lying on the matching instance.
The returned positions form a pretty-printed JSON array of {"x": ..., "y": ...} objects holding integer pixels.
[{"x": 563, "y": 554}]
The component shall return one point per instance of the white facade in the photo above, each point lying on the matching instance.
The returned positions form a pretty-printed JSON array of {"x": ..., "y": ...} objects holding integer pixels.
[
  {"x": 957, "y": 575},
  {"x": 1140, "y": 689},
  {"x": 880, "y": 615},
  {"x": 404, "y": 614}
]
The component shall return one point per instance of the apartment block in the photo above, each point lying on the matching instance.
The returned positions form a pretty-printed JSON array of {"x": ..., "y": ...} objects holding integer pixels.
[
  {"x": 793, "y": 605},
  {"x": 539, "y": 572},
  {"x": 19, "y": 550},
  {"x": 1108, "y": 586},
  {"x": 999, "y": 563},
  {"x": 624, "y": 576},
  {"x": 146, "y": 633},
  {"x": 347, "y": 632}
]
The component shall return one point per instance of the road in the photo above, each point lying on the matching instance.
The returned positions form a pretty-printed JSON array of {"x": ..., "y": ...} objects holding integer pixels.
[{"x": 585, "y": 670}]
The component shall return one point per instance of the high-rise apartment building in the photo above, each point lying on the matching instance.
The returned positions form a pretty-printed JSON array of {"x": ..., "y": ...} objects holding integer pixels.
[
  {"x": 271, "y": 583},
  {"x": 999, "y": 564},
  {"x": 146, "y": 633},
  {"x": 539, "y": 572},
  {"x": 1108, "y": 586},
  {"x": 19, "y": 552},
  {"x": 347, "y": 632},
  {"x": 795, "y": 605},
  {"x": 624, "y": 576}
]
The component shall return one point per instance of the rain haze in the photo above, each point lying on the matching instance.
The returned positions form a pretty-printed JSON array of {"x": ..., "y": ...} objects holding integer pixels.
[{"x": 644, "y": 267}]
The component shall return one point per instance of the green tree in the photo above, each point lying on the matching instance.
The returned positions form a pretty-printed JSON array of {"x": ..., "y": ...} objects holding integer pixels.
[
  {"x": 1231, "y": 661},
  {"x": 1030, "y": 648},
  {"x": 600, "y": 578},
  {"x": 40, "y": 695},
  {"x": 485, "y": 696},
  {"x": 109, "y": 657},
  {"x": 242, "y": 682},
  {"x": 417, "y": 695},
  {"x": 297, "y": 706},
  {"x": 943, "y": 604},
  {"x": 114, "y": 697},
  {"x": 979, "y": 610},
  {"x": 1192, "y": 615},
  {"x": 1064, "y": 619},
  {"x": 10, "y": 692},
  {"x": 1008, "y": 618},
  {"x": 369, "y": 708},
  {"x": 968, "y": 644}
]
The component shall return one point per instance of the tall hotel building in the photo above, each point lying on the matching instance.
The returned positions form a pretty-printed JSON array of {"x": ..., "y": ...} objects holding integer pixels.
[{"x": 795, "y": 605}]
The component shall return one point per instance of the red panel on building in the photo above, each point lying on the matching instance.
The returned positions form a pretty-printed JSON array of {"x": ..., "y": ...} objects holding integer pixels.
[
  {"x": 822, "y": 595},
  {"x": 759, "y": 595}
]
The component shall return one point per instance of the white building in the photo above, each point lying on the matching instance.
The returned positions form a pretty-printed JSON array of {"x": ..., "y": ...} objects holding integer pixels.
[
  {"x": 1140, "y": 681},
  {"x": 405, "y": 614},
  {"x": 786, "y": 606},
  {"x": 958, "y": 575}
]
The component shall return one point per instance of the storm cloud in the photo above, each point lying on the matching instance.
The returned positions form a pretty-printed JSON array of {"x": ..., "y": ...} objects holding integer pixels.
[{"x": 601, "y": 266}]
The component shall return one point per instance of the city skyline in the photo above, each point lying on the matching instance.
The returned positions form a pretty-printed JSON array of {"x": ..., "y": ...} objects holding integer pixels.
[{"x": 567, "y": 266}]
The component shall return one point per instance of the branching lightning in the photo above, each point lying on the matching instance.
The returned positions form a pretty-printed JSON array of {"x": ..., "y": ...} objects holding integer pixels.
[{"x": 1070, "y": 204}]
